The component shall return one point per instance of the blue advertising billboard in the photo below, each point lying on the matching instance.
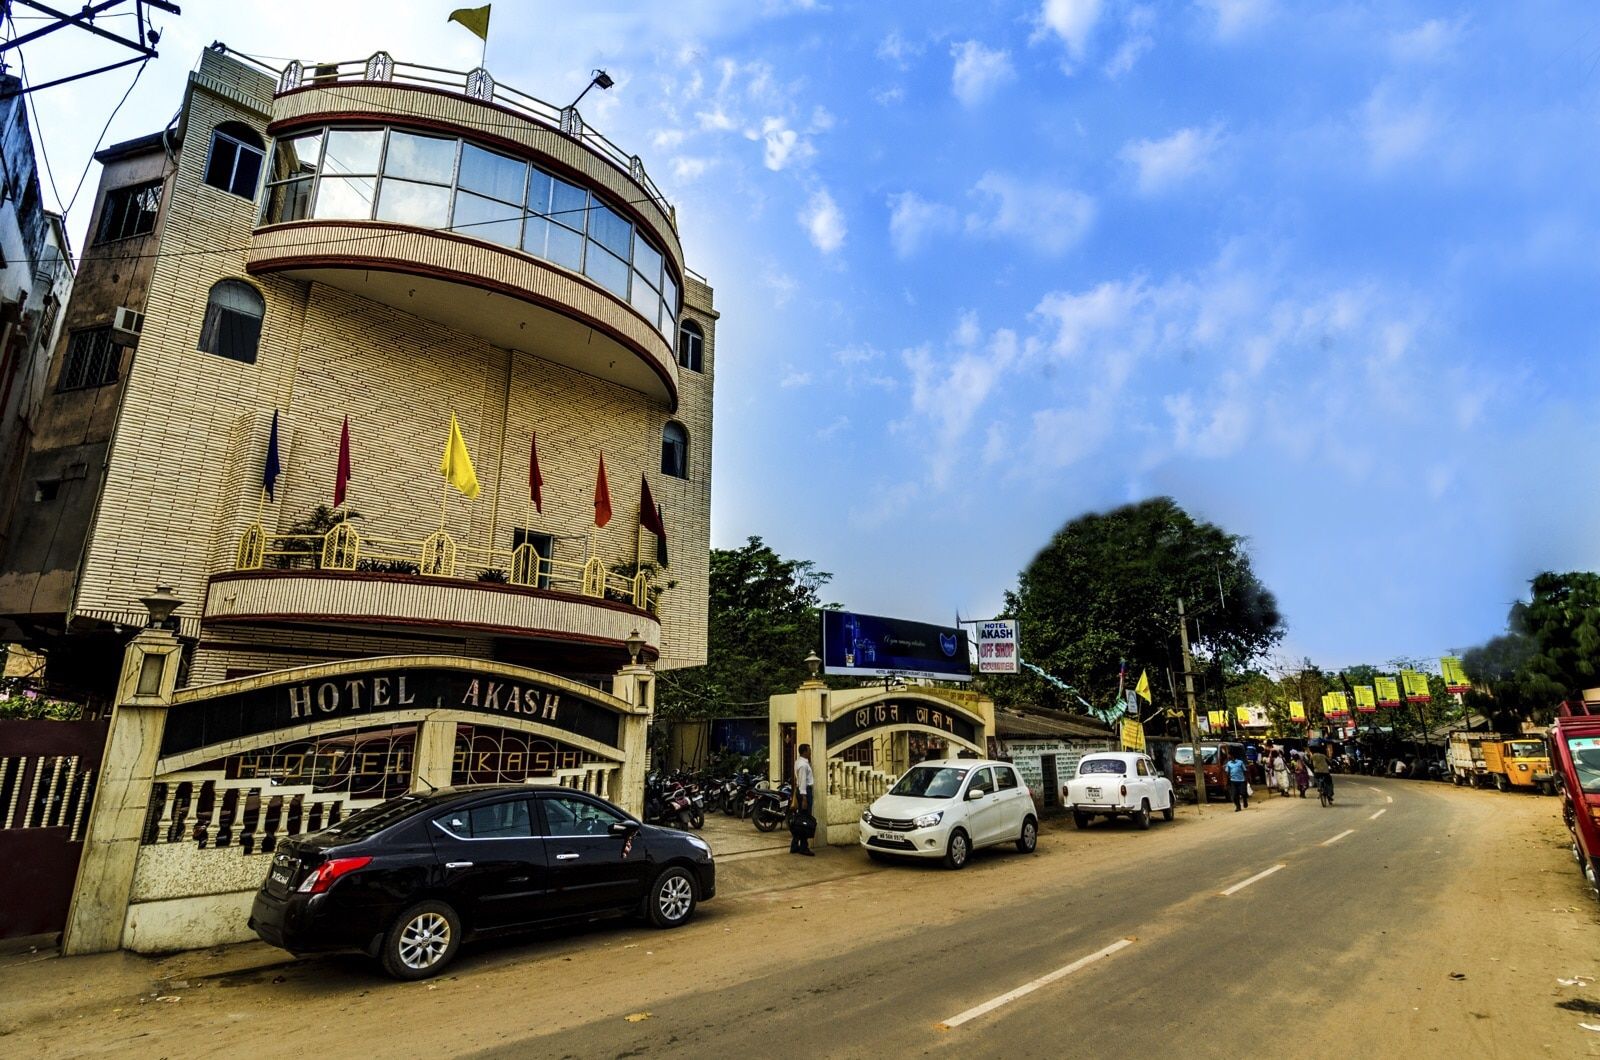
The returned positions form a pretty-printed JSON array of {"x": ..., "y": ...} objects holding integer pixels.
[{"x": 871, "y": 646}]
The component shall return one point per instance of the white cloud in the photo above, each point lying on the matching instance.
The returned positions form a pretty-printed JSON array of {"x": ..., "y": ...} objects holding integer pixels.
[
  {"x": 833, "y": 429},
  {"x": 914, "y": 220},
  {"x": 780, "y": 283},
  {"x": 687, "y": 168},
  {"x": 895, "y": 49},
  {"x": 947, "y": 392},
  {"x": 1048, "y": 218},
  {"x": 1396, "y": 130},
  {"x": 1072, "y": 21},
  {"x": 863, "y": 366},
  {"x": 1162, "y": 164},
  {"x": 824, "y": 222},
  {"x": 888, "y": 97},
  {"x": 979, "y": 72},
  {"x": 793, "y": 377},
  {"x": 783, "y": 145},
  {"x": 1429, "y": 42},
  {"x": 887, "y": 504},
  {"x": 1236, "y": 17}
]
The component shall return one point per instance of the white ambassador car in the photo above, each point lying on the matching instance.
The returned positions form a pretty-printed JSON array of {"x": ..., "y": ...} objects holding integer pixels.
[
  {"x": 1118, "y": 784},
  {"x": 949, "y": 808}
]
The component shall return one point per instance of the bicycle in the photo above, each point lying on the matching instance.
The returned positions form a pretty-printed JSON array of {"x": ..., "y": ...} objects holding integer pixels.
[{"x": 1325, "y": 788}]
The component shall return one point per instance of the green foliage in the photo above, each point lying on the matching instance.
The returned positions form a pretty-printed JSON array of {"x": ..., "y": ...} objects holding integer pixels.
[
  {"x": 317, "y": 522},
  {"x": 1106, "y": 588},
  {"x": 21, "y": 697},
  {"x": 1549, "y": 653},
  {"x": 763, "y": 620}
]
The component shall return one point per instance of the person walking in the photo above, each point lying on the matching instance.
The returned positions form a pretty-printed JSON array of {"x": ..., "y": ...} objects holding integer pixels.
[
  {"x": 804, "y": 784},
  {"x": 1302, "y": 775},
  {"x": 1280, "y": 771},
  {"x": 1238, "y": 781}
]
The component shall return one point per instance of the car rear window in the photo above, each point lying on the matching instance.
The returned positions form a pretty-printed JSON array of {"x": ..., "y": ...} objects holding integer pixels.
[{"x": 1102, "y": 765}]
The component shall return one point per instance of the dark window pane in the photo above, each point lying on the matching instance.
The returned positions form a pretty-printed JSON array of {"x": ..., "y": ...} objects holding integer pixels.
[
  {"x": 289, "y": 201},
  {"x": 487, "y": 219},
  {"x": 414, "y": 157},
  {"x": 410, "y": 203},
  {"x": 130, "y": 211},
  {"x": 607, "y": 269},
  {"x": 675, "y": 451},
  {"x": 494, "y": 175},
  {"x": 568, "y": 204},
  {"x": 219, "y": 169},
  {"x": 501, "y": 820},
  {"x": 247, "y": 171},
  {"x": 92, "y": 360},
  {"x": 691, "y": 348},
  {"x": 608, "y": 229},
  {"x": 232, "y": 325}
]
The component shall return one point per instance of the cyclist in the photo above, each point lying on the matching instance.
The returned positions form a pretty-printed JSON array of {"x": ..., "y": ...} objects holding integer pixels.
[{"x": 1322, "y": 770}]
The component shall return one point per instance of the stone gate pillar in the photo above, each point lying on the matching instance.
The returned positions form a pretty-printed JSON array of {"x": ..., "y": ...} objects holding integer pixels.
[
  {"x": 122, "y": 796},
  {"x": 434, "y": 764},
  {"x": 636, "y": 685}
]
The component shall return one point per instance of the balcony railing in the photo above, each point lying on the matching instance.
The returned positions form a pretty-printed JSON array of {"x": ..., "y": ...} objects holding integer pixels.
[
  {"x": 381, "y": 68},
  {"x": 344, "y": 548}
]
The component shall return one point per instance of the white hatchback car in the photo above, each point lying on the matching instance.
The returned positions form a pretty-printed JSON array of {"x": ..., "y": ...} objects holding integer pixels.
[
  {"x": 949, "y": 808},
  {"x": 1118, "y": 784}
]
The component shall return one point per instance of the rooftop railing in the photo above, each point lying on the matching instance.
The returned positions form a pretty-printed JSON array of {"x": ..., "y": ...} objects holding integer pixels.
[{"x": 479, "y": 84}]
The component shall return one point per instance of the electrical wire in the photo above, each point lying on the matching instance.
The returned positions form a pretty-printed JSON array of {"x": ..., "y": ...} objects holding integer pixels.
[
  {"x": 103, "y": 130},
  {"x": 33, "y": 111}
]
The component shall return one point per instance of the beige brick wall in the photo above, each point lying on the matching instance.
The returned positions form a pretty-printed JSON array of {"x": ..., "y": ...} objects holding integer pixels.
[{"x": 182, "y": 479}]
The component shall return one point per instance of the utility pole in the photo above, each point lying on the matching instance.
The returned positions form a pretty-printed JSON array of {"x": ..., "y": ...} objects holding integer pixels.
[{"x": 1194, "y": 721}]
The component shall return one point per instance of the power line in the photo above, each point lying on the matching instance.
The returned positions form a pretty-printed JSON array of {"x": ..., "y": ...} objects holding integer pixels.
[
  {"x": 104, "y": 129},
  {"x": 33, "y": 110}
]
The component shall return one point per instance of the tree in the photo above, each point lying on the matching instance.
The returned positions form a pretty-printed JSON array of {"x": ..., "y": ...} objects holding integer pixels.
[
  {"x": 1106, "y": 588},
  {"x": 762, "y": 621},
  {"x": 1549, "y": 653}
]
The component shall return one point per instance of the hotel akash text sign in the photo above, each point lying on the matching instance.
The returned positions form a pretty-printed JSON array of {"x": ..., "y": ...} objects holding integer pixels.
[
  {"x": 363, "y": 699},
  {"x": 871, "y": 646},
  {"x": 997, "y": 647}
]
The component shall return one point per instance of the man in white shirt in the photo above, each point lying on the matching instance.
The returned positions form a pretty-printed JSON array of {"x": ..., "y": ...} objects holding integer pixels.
[{"x": 804, "y": 781}]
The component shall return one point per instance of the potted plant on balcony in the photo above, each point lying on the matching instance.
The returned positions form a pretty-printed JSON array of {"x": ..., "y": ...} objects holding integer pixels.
[{"x": 315, "y": 524}]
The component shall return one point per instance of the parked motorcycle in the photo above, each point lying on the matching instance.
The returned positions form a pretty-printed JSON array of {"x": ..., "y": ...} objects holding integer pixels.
[
  {"x": 669, "y": 803},
  {"x": 770, "y": 806}
]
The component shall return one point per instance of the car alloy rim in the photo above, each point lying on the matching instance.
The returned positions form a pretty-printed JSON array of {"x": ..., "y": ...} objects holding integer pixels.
[
  {"x": 676, "y": 895},
  {"x": 1029, "y": 836},
  {"x": 424, "y": 941},
  {"x": 958, "y": 849}
]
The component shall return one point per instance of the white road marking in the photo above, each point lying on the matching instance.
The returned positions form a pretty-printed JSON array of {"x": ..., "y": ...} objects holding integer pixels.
[
  {"x": 1242, "y": 884},
  {"x": 1341, "y": 835},
  {"x": 1379, "y": 814},
  {"x": 1028, "y": 988},
  {"x": 1388, "y": 798},
  {"x": 1375, "y": 791}
]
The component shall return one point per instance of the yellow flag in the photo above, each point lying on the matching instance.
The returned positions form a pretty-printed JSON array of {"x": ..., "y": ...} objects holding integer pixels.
[
  {"x": 1243, "y": 714},
  {"x": 475, "y": 19},
  {"x": 456, "y": 465},
  {"x": 1143, "y": 687}
]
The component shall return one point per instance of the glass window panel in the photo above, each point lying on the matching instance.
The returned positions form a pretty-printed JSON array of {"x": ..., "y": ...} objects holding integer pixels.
[
  {"x": 289, "y": 201},
  {"x": 353, "y": 151},
  {"x": 607, "y": 269},
  {"x": 645, "y": 299},
  {"x": 647, "y": 262},
  {"x": 219, "y": 169},
  {"x": 245, "y": 173},
  {"x": 568, "y": 203},
  {"x": 668, "y": 322},
  {"x": 554, "y": 243},
  {"x": 491, "y": 174},
  {"x": 414, "y": 157},
  {"x": 486, "y": 219},
  {"x": 669, "y": 293},
  {"x": 410, "y": 203},
  {"x": 297, "y": 156},
  {"x": 344, "y": 197},
  {"x": 539, "y": 184},
  {"x": 608, "y": 228}
]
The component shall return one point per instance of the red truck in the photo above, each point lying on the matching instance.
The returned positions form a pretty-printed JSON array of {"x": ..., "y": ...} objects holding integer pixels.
[{"x": 1575, "y": 747}]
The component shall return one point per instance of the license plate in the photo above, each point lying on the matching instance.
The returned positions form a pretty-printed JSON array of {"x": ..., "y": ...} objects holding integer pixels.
[
  {"x": 280, "y": 877},
  {"x": 893, "y": 837},
  {"x": 1093, "y": 794}
]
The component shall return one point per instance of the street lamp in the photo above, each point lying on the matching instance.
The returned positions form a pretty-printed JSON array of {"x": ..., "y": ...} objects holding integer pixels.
[
  {"x": 601, "y": 80},
  {"x": 635, "y": 644},
  {"x": 813, "y": 664},
  {"x": 160, "y": 604}
]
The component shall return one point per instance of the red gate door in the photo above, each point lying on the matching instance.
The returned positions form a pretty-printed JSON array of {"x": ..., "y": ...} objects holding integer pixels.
[{"x": 48, "y": 771}]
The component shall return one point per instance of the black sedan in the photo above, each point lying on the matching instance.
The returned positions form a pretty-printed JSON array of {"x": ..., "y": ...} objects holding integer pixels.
[{"x": 408, "y": 880}]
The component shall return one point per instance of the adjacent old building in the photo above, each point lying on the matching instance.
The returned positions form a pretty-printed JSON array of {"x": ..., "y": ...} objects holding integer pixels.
[{"x": 286, "y": 295}]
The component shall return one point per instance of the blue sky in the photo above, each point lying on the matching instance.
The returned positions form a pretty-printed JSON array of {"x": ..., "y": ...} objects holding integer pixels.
[{"x": 1324, "y": 273}]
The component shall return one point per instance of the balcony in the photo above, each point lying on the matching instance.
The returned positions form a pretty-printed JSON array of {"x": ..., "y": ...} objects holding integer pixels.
[
  {"x": 407, "y": 185},
  {"x": 343, "y": 579}
]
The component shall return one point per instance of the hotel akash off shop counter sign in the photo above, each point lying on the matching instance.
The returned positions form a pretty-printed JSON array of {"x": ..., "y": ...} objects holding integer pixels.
[
  {"x": 997, "y": 646},
  {"x": 869, "y": 646}
]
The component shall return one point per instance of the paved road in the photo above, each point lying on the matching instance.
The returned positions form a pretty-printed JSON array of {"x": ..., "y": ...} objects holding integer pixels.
[{"x": 1434, "y": 924}]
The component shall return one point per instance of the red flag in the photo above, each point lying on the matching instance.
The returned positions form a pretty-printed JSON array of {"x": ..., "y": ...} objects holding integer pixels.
[
  {"x": 602, "y": 496},
  {"x": 342, "y": 476},
  {"x": 649, "y": 516},
  {"x": 535, "y": 480},
  {"x": 661, "y": 539}
]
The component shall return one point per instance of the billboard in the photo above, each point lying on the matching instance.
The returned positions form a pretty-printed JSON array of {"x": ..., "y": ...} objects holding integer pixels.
[
  {"x": 871, "y": 646},
  {"x": 1455, "y": 678},
  {"x": 998, "y": 651}
]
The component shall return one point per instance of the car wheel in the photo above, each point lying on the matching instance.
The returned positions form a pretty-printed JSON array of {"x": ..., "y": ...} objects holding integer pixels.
[
  {"x": 1029, "y": 839},
  {"x": 955, "y": 855},
  {"x": 1080, "y": 819},
  {"x": 1502, "y": 783},
  {"x": 1172, "y": 808},
  {"x": 1142, "y": 818},
  {"x": 672, "y": 898},
  {"x": 421, "y": 941}
]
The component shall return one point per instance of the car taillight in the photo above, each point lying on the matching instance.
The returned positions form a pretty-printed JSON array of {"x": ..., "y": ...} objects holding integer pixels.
[
  {"x": 1124, "y": 790},
  {"x": 329, "y": 872}
]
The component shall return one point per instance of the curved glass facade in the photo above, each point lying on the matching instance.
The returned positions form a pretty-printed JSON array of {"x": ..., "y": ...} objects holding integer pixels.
[{"x": 454, "y": 185}]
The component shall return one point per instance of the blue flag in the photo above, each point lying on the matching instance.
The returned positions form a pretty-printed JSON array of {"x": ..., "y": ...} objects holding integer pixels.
[{"x": 269, "y": 475}]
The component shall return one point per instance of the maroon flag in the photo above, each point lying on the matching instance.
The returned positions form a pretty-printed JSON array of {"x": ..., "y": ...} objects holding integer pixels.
[
  {"x": 342, "y": 476},
  {"x": 535, "y": 480},
  {"x": 602, "y": 496},
  {"x": 661, "y": 539},
  {"x": 649, "y": 516}
]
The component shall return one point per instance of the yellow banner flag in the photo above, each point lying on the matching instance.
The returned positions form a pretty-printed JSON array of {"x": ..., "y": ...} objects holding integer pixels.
[
  {"x": 1243, "y": 714},
  {"x": 1416, "y": 686},
  {"x": 1455, "y": 677},
  {"x": 475, "y": 19},
  {"x": 1388, "y": 691},
  {"x": 1366, "y": 698},
  {"x": 1132, "y": 735},
  {"x": 1143, "y": 687},
  {"x": 1297, "y": 711},
  {"x": 1218, "y": 718},
  {"x": 456, "y": 465}
]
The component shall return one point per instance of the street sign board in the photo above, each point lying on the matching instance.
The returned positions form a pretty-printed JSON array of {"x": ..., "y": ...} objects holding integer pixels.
[
  {"x": 998, "y": 649},
  {"x": 856, "y": 645}
]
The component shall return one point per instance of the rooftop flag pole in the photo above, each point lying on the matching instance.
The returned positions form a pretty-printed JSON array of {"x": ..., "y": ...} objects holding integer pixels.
[
  {"x": 476, "y": 21},
  {"x": 271, "y": 469}
]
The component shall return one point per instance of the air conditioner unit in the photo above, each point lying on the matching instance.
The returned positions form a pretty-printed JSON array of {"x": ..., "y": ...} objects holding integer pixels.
[{"x": 127, "y": 325}]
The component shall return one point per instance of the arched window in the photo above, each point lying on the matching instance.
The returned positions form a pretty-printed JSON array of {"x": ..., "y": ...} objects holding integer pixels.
[
  {"x": 691, "y": 347},
  {"x": 675, "y": 450},
  {"x": 234, "y": 163},
  {"x": 232, "y": 326}
]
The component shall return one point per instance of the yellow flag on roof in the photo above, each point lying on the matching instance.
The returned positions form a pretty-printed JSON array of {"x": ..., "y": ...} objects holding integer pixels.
[
  {"x": 475, "y": 19},
  {"x": 456, "y": 464}
]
